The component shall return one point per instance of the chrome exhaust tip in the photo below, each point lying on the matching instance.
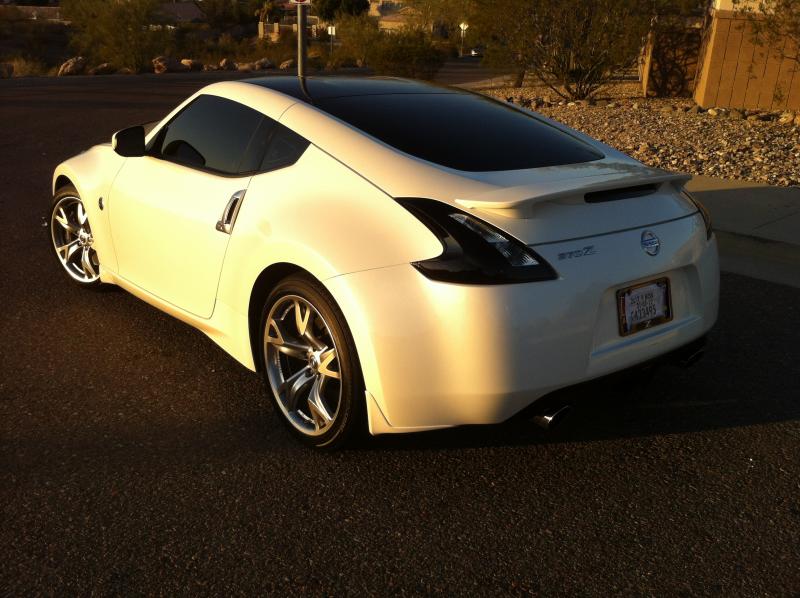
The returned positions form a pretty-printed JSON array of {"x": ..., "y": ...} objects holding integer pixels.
[{"x": 550, "y": 420}]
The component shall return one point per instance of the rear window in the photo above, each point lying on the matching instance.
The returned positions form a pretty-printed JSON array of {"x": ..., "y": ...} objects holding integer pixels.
[{"x": 462, "y": 131}]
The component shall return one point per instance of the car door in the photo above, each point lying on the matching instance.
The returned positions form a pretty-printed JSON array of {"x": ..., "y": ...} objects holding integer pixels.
[{"x": 172, "y": 210}]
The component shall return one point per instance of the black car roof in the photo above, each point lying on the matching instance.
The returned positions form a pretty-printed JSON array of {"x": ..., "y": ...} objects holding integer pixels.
[{"x": 325, "y": 88}]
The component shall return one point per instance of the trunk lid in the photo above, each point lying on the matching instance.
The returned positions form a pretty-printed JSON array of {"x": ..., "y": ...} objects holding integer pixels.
[{"x": 580, "y": 201}]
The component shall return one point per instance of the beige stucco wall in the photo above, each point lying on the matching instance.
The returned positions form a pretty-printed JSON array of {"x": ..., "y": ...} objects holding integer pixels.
[{"x": 737, "y": 74}]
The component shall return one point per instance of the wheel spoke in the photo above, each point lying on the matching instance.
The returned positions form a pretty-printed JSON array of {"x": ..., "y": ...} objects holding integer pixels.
[
  {"x": 293, "y": 387},
  {"x": 326, "y": 360},
  {"x": 316, "y": 407},
  {"x": 274, "y": 334},
  {"x": 301, "y": 319},
  {"x": 68, "y": 249},
  {"x": 81, "y": 214},
  {"x": 296, "y": 350},
  {"x": 62, "y": 219},
  {"x": 86, "y": 263}
]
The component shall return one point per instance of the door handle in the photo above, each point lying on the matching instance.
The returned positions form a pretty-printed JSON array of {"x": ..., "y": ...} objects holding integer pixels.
[{"x": 231, "y": 211}]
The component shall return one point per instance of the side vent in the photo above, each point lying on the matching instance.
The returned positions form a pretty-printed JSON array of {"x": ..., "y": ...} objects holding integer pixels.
[{"x": 623, "y": 193}]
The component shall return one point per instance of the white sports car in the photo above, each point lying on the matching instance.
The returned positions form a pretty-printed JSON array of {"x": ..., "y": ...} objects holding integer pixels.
[{"x": 389, "y": 252}]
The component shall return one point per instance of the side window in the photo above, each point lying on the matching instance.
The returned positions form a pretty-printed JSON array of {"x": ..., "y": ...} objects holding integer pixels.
[
  {"x": 212, "y": 133},
  {"x": 284, "y": 149}
]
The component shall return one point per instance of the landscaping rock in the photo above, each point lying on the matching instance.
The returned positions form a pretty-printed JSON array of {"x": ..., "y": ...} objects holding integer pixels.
[
  {"x": 210, "y": 67},
  {"x": 263, "y": 64},
  {"x": 6, "y": 70},
  {"x": 735, "y": 115},
  {"x": 226, "y": 64},
  {"x": 713, "y": 112},
  {"x": 726, "y": 147},
  {"x": 287, "y": 64},
  {"x": 787, "y": 118},
  {"x": 73, "y": 66},
  {"x": 104, "y": 68},
  {"x": 192, "y": 65},
  {"x": 245, "y": 67},
  {"x": 126, "y": 71},
  {"x": 167, "y": 64}
]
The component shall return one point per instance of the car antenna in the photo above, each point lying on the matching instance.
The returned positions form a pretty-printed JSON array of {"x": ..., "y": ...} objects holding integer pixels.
[{"x": 301, "y": 46}]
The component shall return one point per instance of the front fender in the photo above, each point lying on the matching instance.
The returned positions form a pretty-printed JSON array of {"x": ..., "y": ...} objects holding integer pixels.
[{"x": 92, "y": 173}]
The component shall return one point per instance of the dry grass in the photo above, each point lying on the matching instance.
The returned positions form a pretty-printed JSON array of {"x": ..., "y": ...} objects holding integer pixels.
[{"x": 24, "y": 67}]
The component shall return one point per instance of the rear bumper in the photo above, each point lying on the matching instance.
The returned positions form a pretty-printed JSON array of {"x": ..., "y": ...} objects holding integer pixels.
[{"x": 438, "y": 355}]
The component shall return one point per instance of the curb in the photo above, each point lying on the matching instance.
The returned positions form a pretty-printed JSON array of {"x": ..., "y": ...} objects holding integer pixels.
[{"x": 763, "y": 259}]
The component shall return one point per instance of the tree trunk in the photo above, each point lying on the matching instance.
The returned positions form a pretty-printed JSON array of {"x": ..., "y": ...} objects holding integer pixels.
[{"x": 520, "y": 78}]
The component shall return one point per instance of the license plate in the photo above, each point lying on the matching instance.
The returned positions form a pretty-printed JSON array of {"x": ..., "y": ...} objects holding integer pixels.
[{"x": 643, "y": 306}]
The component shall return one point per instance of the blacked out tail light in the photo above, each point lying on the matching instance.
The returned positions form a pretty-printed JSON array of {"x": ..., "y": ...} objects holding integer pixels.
[
  {"x": 703, "y": 212},
  {"x": 475, "y": 252}
]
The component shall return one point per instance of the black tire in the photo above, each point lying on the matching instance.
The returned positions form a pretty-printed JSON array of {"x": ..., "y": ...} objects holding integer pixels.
[
  {"x": 68, "y": 195},
  {"x": 349, "y": 420}
]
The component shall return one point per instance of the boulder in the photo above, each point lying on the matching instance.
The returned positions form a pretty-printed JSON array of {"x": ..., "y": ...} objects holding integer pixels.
[
  {"x": 713, "y": 112},
  {"x": 226, "y": 64},
  {"x": 73, "y": 66},
  {"x": 245, "y": 67},
  {"x": 210, "y": 67},
  {"x": 287, "y": 64},
  {"x": 103, "y": 69},
  {"x": 167, "y": 64},
  {"x": 126, "y": 71},
  {"x": 787, "y": 118},
  {"x": 6, "y": 70},
  {"x": 191, "y": 64},
  {"x": 263, "y": 64}
]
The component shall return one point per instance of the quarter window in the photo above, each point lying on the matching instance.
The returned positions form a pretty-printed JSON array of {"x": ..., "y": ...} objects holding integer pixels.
[{"x": 284, "y": 149}]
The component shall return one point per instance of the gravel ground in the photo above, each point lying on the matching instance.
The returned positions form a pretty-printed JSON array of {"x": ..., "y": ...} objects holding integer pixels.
[{"x": 663, "y": 133}]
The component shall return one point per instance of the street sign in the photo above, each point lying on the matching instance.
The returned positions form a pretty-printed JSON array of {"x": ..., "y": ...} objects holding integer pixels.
[
  {"x": 331, "y": 30},
  {"x": 301, "y": 2},
  {"x": 464, "y": 26}
]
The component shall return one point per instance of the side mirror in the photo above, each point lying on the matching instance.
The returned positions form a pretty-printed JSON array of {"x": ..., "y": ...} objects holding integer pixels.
[{"x": 129, "y": 142}]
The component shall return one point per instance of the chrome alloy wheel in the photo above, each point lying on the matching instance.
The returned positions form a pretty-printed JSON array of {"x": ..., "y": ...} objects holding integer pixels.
[
  {"x": 302, "y": 365},
  {"x": 72, "y": 240}
]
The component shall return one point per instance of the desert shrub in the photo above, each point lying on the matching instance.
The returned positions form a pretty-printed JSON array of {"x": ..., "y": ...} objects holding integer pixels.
[
  {"x": 24, "y": 67},
  {"x": 117, "y": 32},
  {"x": 406, "y": 53},
  {"x": 359, "y": 38},
  {"x": 573, "y": 50}
]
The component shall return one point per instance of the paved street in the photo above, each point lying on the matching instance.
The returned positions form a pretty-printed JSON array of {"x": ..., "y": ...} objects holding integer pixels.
[{"x": 136, "y": 457}]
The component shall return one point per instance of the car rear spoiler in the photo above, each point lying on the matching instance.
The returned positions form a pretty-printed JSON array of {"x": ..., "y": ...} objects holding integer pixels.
[{"x": 518, "y": 202}]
